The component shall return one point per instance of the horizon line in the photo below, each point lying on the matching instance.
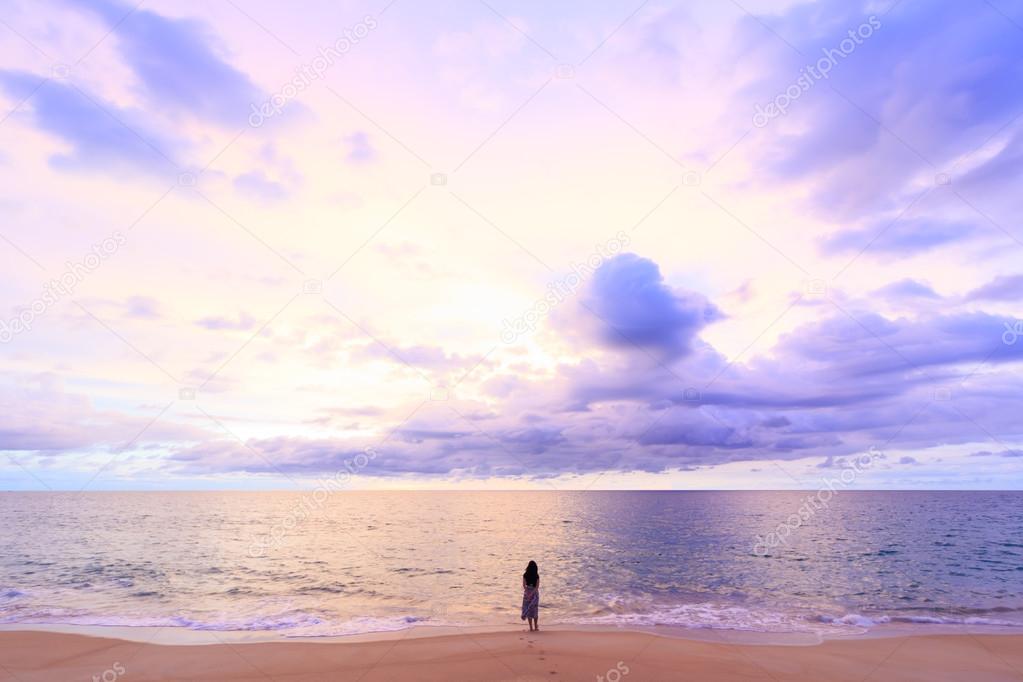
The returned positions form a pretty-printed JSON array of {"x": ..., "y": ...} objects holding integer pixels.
[{"x": 531, "y": 490}]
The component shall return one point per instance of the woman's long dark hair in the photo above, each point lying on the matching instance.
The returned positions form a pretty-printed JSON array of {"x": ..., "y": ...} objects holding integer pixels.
[{"x": 532, "y": 574}]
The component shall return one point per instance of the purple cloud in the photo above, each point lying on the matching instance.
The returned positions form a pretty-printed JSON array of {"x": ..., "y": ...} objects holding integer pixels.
[
  {"x": 359, "y": 148},
  {"x": 244, "y": 322},
  {"x": 907, "y": 289},
  {"x": 904, "y": 237},
  {"x": 635, "y": 308},
  {"x": 177, "y": 63},
  {"x": 420, "y": 356},
  {"x": 1001, "y": 453},
  {"x": 37, "y": 414},
  {"x": 1001, "y": 288},
  {"x": 929, "y": 88},
  {"x": 257, "y": 185},
  {"x": 100, "y": 134},
  {"x": 142, "y": 307}
]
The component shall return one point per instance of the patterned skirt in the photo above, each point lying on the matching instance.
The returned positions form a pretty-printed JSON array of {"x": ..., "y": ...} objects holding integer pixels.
[{"x": 530, "y": 602}]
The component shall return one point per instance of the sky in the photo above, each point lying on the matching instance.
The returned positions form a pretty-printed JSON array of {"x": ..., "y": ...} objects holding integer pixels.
[{"x": 486, "y": 244}]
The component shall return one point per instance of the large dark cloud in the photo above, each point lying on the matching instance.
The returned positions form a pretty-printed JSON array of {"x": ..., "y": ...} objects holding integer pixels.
[
  {"x": 845, "y": 382},
  {"x": 636, "y": 308}
]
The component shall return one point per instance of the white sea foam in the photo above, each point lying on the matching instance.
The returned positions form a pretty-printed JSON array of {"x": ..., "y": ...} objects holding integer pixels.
[
  {"x": 297, "y": 624},
  {"x": 687, "y": 616},
  {"x": 728, "y": 617},
  {"x": 713, "y": 617},
  {"x": 859, "y": 620},
  {"x": 855, "y": 620},
  {"x": 366, "y": 625},
  {"x": 949, "y": 620}
]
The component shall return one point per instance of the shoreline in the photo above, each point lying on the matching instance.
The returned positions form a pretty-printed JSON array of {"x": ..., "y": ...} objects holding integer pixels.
[
  {"x": 175, "y": 635},
  {"x": 550, "y": 654}
]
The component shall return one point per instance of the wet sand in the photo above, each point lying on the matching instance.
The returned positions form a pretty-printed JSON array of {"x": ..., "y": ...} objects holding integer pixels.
[{"x": 547, "y": 655}]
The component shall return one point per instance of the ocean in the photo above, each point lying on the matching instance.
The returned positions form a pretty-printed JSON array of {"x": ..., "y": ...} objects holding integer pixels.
[{"x": 338, "y": 563}]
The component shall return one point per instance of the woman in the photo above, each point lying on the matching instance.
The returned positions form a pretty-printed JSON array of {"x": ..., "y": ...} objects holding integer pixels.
[{"x": 531, "y": 596}]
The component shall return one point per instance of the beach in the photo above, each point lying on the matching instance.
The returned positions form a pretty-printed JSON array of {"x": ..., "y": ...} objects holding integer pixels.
[{"x": 29, "y": 656}]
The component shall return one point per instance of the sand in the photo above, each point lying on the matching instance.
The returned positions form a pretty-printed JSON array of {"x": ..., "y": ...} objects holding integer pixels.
[{"x": 547, "y": 655}]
